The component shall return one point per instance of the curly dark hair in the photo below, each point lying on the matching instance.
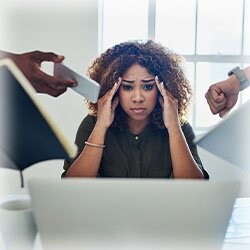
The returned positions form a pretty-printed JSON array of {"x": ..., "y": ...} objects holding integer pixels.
[{"x": 157, "y": 59}]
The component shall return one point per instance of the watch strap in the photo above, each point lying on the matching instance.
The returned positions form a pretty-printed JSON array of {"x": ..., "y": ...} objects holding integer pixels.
[{"x": 241, "y": 76}]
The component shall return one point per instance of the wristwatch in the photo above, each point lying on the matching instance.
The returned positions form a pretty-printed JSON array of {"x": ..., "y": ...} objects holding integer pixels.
[{"x": 241, "y": 76}]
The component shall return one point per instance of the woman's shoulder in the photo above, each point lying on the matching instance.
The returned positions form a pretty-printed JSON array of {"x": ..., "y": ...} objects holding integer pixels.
[
  {"x": 88, "y": 122},
  {"x": 89, "y": 118},
  {"x": 186, "y": 125},
  {"x": 187, "y": 129}
]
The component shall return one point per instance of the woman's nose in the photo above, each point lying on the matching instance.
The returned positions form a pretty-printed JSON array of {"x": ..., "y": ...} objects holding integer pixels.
[{"x": 137, "y": 96}]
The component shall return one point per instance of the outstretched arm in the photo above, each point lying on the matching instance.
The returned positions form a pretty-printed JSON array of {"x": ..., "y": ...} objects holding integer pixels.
[{"x": 30, "y": 64}]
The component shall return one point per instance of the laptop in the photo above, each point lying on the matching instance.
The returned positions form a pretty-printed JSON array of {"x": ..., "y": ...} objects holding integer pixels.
[
  {"x": 230, "y": 138},
  {"x": 28, "y": 133},
  {"x": 25, "y": 124},
  {"x": 102, "y": 214}
]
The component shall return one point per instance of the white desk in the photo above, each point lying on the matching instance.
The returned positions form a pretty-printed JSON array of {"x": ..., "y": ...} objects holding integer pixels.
[
  {"x": 238, "y": 232},
  {"x": 237, "y": 236}
]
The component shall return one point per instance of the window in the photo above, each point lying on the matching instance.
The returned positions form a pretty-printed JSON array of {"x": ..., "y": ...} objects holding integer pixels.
[
  {"x": 123, "y": 20},
  {"x": 213, "y": 40}
]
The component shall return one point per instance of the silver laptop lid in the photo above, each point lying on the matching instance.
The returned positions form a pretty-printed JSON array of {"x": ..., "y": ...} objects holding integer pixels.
[{"x": 132, "y": 213}]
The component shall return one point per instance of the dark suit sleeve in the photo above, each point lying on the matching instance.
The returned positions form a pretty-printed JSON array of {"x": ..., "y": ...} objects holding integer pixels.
[
  {"x": 189, "y": 135},
  {"x": 82, "y": 135}
]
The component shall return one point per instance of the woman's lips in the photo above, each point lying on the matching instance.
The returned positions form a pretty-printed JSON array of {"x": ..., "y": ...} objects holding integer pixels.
[{"x": 138, "y": 110}]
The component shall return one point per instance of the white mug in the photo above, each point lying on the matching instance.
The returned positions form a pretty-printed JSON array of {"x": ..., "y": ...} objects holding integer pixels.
[{"x": 17, "y": 224}]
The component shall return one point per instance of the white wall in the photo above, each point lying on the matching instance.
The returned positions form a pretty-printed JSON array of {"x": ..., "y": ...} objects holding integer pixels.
[{"x": 65, "y": 27}]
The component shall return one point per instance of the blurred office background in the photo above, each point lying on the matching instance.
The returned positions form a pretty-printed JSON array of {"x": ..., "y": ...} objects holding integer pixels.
[{"x": 213, "y": 36}]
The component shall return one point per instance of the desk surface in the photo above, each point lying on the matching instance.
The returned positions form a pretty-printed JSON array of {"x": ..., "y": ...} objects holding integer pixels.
[
  {"x": 237, "y": 236},
  {"x": 238, "y": 232}
]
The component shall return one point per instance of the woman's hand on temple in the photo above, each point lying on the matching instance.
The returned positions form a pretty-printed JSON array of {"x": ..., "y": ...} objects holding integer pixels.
[
  {"x": 107, "y": 105},
  {"x": 169, "y": 106}
]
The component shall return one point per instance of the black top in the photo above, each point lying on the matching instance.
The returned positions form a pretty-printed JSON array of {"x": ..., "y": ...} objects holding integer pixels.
[{"x": 126, "y": 155}]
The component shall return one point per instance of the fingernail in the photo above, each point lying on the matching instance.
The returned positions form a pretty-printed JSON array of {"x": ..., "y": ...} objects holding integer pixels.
[
  {"x": 162, "y": 84},
  {"x": 156, "y": 78},
  {"x": 60, "y": 57},
  {"x": 74, "y": 83}
]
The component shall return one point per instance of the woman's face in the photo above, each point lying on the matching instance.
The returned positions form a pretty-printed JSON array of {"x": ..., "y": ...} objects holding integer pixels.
[{"x": 138, "y": 93}]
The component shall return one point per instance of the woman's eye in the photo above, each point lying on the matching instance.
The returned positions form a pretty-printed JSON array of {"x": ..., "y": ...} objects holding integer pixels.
[
  {"x": 127, "y": 87},
  {"x": 148, "y": 87}
]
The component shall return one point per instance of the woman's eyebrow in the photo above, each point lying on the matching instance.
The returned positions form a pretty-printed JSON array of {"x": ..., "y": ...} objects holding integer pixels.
[
  {"x": 144, "y": 81},
  {"x": 148, "y": 80},
  {"x": 128, "y": 81}
]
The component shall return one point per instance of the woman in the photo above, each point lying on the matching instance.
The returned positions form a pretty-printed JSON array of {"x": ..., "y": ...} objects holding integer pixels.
[{"x": 138, "y": 127}]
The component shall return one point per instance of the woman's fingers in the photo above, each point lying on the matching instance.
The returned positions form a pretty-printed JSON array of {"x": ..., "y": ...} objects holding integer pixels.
[
  {"x": 115, "y": 87},
  {"x": 160, "y": 98},
  {"x": 158, "y": 84},
  {"x": 110, "y": 94},
  {"x": 114, "y": 103},
  {"x": 163, "y": 90}
]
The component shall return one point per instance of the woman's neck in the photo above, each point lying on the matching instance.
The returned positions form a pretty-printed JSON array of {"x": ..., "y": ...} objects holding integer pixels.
[{"x": 136, "y": 127}]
